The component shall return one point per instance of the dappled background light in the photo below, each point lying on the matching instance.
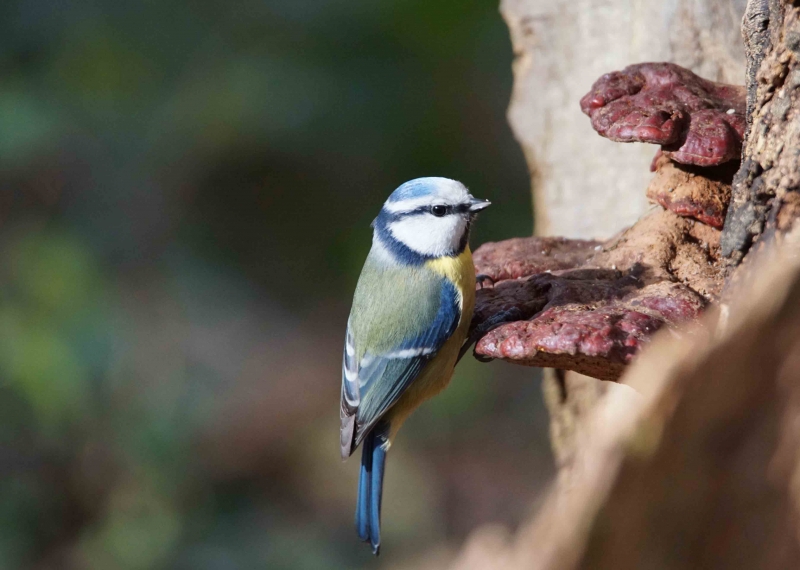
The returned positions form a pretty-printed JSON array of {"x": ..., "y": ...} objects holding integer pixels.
[{"x": 185, "y": 197}]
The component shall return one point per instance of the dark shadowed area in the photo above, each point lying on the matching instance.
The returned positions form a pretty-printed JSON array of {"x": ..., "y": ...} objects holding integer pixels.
[{"x": 185, "y": 197}]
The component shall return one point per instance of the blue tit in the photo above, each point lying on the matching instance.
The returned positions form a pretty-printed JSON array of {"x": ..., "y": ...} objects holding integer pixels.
[{"x": 410, "y": 316}]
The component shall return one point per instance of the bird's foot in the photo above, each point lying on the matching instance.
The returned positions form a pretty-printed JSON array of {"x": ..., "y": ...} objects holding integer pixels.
[
  {"x": 477, "y": 333},
  {"x": 484, "y": 281}
]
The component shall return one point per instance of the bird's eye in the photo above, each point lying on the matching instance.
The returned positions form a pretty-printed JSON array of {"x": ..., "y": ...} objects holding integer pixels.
[{"x": 438, "y": 210}]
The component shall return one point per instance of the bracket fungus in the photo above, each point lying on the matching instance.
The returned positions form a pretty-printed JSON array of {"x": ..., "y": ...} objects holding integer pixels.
[
  {"x": 699, "y": 193},
  {"x": 696, "y": 121},
  {"x": 594, "y": 316},
  {"x": 589, "y": 306}
]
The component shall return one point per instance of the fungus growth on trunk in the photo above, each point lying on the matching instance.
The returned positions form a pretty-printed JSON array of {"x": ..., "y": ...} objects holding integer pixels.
[
  {"x": 589, "y": 306},
  {"x": 695, "y": 121}
]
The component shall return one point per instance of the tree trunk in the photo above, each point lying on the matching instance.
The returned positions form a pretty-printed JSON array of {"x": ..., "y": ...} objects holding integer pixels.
[
  {"x": 585, "y": 186},
  {"x": 766, "y": 189},
  {"x": 703, "y": 472}
]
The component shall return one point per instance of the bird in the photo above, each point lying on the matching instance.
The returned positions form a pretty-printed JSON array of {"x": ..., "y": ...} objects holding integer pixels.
[{"x": 410, "y": 316}]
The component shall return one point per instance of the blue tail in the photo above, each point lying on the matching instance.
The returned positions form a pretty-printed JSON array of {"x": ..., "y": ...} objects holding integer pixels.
[{"x": 370, "y": 486}]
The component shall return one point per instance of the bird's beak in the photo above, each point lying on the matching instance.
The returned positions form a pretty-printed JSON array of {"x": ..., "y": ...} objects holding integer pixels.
[{"x": 476, "y": 205}]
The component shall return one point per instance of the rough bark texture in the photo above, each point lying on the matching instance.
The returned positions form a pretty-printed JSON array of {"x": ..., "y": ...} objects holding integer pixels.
[
  {"x": 755, "y": 33},
  {"x": 585, "y": 186},
  {"x": 766, "y": 189}
]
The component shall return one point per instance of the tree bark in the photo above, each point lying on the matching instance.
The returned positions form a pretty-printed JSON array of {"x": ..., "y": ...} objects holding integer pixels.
[
  {"x": 585, "y": 186},
  {"x": 703, "y": 472},
  {"x": 766, "y": 190}
]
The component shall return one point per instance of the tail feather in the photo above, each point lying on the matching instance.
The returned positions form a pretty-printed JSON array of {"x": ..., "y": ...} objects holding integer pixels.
[
  {"x": 363, "y": 503},
  {"x": 376, "y": 494},
  {"x": 370, "y": 486}
]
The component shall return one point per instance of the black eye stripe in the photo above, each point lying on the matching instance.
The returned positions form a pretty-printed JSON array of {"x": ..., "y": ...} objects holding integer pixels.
[{"x": 451, "y": 209}]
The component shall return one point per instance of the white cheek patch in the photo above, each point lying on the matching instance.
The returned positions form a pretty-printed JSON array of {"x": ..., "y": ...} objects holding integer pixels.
[{"x": 428, "y": 235}]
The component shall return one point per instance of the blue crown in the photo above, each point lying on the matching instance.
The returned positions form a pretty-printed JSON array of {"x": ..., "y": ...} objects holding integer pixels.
[{"x": 418, "y": 188}]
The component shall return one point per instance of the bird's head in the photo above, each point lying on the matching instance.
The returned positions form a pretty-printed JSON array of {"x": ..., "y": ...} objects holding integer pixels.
[{"x": 431, "y": 217}]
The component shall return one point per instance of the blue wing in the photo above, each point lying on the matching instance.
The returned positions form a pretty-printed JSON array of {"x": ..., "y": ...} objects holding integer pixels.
[{"x": 373, "y": 383}]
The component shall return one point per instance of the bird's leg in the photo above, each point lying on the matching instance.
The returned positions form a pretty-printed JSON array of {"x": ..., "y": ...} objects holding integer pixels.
[{"x": 507, "y": 316}]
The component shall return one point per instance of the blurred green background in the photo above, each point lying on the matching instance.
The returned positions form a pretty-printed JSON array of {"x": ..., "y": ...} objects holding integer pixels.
[{"x": 185, "y": 197}]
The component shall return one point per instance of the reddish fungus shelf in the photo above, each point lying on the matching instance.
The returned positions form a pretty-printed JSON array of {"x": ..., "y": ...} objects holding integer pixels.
[
  {"x": 594, "y": 316},
  {"x": 696, "y": 121},
  {"x": 590, "y": 306}
]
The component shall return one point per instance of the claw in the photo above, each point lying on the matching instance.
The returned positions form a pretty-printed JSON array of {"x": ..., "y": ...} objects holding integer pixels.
[{"x": 480, "y": 279}]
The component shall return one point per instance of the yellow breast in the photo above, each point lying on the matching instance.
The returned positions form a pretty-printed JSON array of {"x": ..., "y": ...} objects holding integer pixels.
[{"x": 461, "y": 272}]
